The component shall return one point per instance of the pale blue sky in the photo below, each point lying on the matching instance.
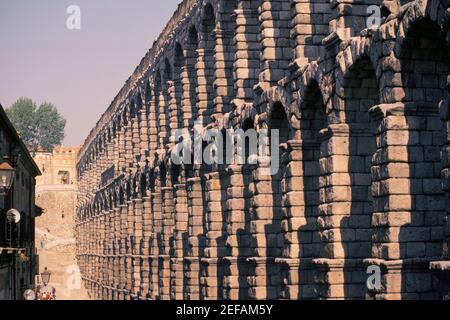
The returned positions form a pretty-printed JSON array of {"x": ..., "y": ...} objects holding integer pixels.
[{"x": 79, "y": 71}]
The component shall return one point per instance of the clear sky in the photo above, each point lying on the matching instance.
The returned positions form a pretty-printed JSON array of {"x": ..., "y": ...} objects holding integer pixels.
[{"x": 80, "y": 71}]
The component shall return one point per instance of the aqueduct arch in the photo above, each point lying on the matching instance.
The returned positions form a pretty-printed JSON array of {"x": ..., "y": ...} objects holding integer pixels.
[{"x": 360, "y": 166}]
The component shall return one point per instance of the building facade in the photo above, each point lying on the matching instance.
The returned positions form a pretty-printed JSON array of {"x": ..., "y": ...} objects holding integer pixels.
[
  {"x": 362, "y": 113},
  {"x": 56, "y": 194},
  {"x": 18, "y": 260}
]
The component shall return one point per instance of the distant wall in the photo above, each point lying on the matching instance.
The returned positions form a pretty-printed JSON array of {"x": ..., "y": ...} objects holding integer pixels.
[{"x": 56, "y": 194}]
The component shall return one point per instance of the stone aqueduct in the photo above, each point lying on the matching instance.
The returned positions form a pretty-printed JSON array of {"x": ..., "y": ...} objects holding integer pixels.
[{"x": 364, "y": 180}]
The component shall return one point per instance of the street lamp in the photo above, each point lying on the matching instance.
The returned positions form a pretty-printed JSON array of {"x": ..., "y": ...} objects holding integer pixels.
[
  {"x": 45, "y": 276},
  {"x": 6, "y": 177},
  {"x": 13, "y": 216}
]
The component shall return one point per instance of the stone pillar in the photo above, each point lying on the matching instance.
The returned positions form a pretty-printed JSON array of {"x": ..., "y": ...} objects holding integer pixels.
[
  {"x": 407, "y": 193},
  {"x": 173, "y": 109},
  {"x": 128, "y": 240},
  {"x": 146, "y": 235},
  {"x": 300, "y": 190},
  {"x": 275, "y": 20},
  {"x": 144, "y": 135},
  {"x": 246, "y": 65},
  {"x": 136, "y": 132},
  {"x": 123, "y": 231},
  {"x": 136, "y": 248},
  {"x": 265, "y": 230},
  {"x": 96, "y": 169},
  {"x": 116, "y": 252},
  {"x": 111, "y": 160},
  {"x": 91, "y": 249},
  {"x": 189, "y": 84},
  {"x": 121, "y": 147},
  {"x": 163, "y": 108},
  {"x": 153, "y": 126},
  {"x": 195, "y": 239},
  {"x": 441, "y": 268},
  {"x": 205, "y": 77},
  {"x": 214, "y": 244},
  {"x": 224, "y": 51},
  {"x": 116, "y": 151},
  {"x": 100, "y": 252},
  {"x": 235, "y": 277},
  {"x": 108, "y": 266},
  {"x": 335, "y": 215},
  {"x": 180, "y": 242},
  {"x": 445, "y": 116},
  {"x": 293, "y": 219},
  {"x": 349, "y": 19},
  {"x": 129, "y": 161},
  {"x": 156, "y": 242},
  {"x": 309, "y": 28},
  {"x": 167, "y": 240}
]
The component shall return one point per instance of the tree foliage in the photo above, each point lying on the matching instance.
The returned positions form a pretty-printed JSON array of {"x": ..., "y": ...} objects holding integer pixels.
[{"x": 39, "y": 127}]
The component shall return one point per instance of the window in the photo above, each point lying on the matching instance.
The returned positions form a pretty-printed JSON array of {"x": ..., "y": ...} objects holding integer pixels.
[{"x": 64, "y": 177}]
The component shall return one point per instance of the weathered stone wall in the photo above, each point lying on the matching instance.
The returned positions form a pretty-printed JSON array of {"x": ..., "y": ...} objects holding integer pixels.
[
  {"x": 56, "y": 193},
  {"x": 360, "y": 163}
]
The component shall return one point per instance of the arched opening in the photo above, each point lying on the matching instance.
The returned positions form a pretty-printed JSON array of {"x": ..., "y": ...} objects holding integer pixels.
[
  {"x": 425, "y": 66},
  {"x": 128, "y": 190},
  {"x": 175, "y": 174},
  {"x": 162, "y": 175},
  {"x": 135, "y": 107},
  {"x": 121, "y": 196},
  {"x": 148, "y": 97},
  {"x": 110, "y": 196},
  {"x": 124, "y": 117},
  {"x": 168, "y": 75},
  {"x": 115, "y": 198},
  {"x": 278, "y": 121},
  {"x": 179, "y": 66},
  {"x": 138, "y": 102},
  {"x": 124, "y": 131},
  {"x": 356, "y": 145},
  {"x": 167, "y": 95},
  {"x": 143, "y": 184},
  {"x": 132, "y": 108},
  {"x": 249, "y": 145},
  {"x": 159, "y": 110},
  {"x": 313, "y": 120},
  {"x": 208, "y": 22}
]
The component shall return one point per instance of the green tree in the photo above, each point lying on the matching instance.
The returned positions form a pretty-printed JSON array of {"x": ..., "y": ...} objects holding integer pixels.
[{"x": 39, "y": 127}]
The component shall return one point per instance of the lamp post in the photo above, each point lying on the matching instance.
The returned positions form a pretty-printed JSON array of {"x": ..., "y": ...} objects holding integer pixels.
[
  {"x": 46, "y": 292},
  {"x": 45, "y": 276},
  {"x": 7, "y": 174}
]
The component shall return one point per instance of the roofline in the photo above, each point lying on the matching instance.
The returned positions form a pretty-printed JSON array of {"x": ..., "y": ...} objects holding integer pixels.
[{"x": 12, "y": 131}]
